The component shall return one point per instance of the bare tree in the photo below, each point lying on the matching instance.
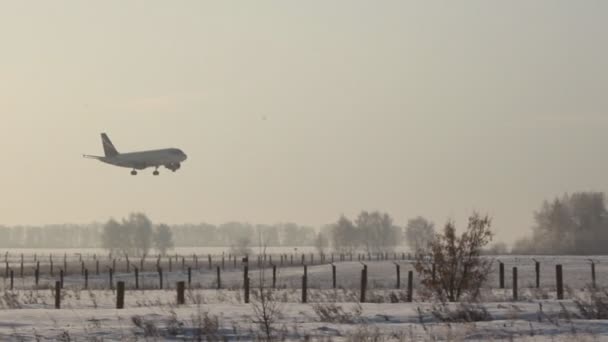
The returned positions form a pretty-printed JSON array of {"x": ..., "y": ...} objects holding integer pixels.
[
  {"x": 241, "y": 247},
  {"x": 571, "y": 224},
  {"x": 452, "y": 265},
  {"x": 115, "y": 238},
  {"x": 266, "y": 308},
  {"x": 377, "y": 232},
  {"x": 141, "y": 227},
  {"x": 321, "y": 242},
  {"x": 344, "y": 236},
  {"x": 419, "y": 232},
  {"x": 163, "y": 239}
]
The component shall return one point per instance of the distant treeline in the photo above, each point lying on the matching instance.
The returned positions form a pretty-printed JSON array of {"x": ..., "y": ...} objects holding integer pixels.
[
  {"x": 572, "y": 224},
  {"x": 184, "y": 235}
]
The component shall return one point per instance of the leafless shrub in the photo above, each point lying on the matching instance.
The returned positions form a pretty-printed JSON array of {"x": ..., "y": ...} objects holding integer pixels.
[
  {"x": 11, "y": 300},
  {"x": 148, "y": 327},
  {"x": 565, "y": 314},
  {"x": 195, "y": 297},
  {"x": 266, "y": 308},
  {"x": 334, "y": 313},
  {"x": 64, "y": 336},
  {"x": 540, "y": 293},
  {"x": 464, "y": 312},
  {"x": 366, "y": 334},
  {"x": 452, "y": 266},
  {"x": 593, "y": 306},
  {"x": 173, "y": 325},
  {"x": 205, "y": 326}
]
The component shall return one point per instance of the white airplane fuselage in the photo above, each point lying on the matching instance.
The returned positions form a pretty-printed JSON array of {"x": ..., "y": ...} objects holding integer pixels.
[
  {"x": 144, "y": 159},
  {"x": 171, "y": 158}
]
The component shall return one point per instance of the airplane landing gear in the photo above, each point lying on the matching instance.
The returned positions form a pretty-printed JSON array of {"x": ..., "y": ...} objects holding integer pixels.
[
  {"x": 133, "y": 173},
  {"x": 156, "y": 173}
]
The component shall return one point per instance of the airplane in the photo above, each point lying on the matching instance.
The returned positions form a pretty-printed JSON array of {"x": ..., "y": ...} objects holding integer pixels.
[{"x": 171, "y": 158}]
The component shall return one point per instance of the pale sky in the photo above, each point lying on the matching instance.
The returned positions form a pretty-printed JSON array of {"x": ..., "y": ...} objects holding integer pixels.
[{"x": 433, "y": 108}]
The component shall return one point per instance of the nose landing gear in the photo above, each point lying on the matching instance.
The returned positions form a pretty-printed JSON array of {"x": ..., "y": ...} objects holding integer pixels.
[
  {"x": 133, "y": 173},
  {"x": 156, "y": 173}
]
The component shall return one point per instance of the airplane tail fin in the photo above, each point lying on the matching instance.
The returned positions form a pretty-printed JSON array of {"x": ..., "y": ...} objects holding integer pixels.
[{"x": 108, "y": 147}]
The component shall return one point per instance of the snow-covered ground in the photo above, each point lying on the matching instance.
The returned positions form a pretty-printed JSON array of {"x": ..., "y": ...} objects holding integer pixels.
[{"x": 27, "y": 312}]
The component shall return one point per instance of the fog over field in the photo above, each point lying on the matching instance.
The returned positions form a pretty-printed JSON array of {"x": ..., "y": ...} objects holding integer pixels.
[{"x": 300, "y": 112}]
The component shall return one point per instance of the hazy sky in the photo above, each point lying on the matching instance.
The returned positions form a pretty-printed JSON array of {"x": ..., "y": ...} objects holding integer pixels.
[{"x": 433, "y": 108}]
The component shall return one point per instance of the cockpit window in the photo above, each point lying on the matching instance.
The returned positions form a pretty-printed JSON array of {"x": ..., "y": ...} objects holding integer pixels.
[{"x": 176, "y": 151}]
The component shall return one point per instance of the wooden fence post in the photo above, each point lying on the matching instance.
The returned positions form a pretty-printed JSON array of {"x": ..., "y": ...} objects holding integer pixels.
[
  {"x": 274, "y": 276},
  {"x": 180, "y": 293},
  {"x": 515, "y": 283},
  {"x": 189, "y": 276},
  {"x": 12, "y": 279},
  {"x": 363, "y": 283},
  {"x": 592, "y": 273},
  {"x": 333, "y": 275},
  {"x": 86, "y": 278},
  {"x": 219, "y": 277},
  {"x": 160, "y": 277},
  {"x": 398, "y": 269},
  {"x": 559, "y": 281},
  {"x": 410, "y": 286},
  {"x": 501, "y": 275},
  {"x": 61, "y": 277},
  {"x": 57, "y": 295},
  {"x": 120, "y": 295},
  {"x": 537, "y": 271},
  {"x": 305, "y": 286},
  {"x": 136, "y": 278},
  {"x": 247, "y": 290},
  {"x": 37, "y": 273},
  {"x": 111, "y": 276},
  {"x": 246, "y": 282}
]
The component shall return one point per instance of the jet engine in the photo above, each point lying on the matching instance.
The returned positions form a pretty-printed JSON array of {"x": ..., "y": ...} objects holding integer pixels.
[{"x": 173, "y": 167}]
